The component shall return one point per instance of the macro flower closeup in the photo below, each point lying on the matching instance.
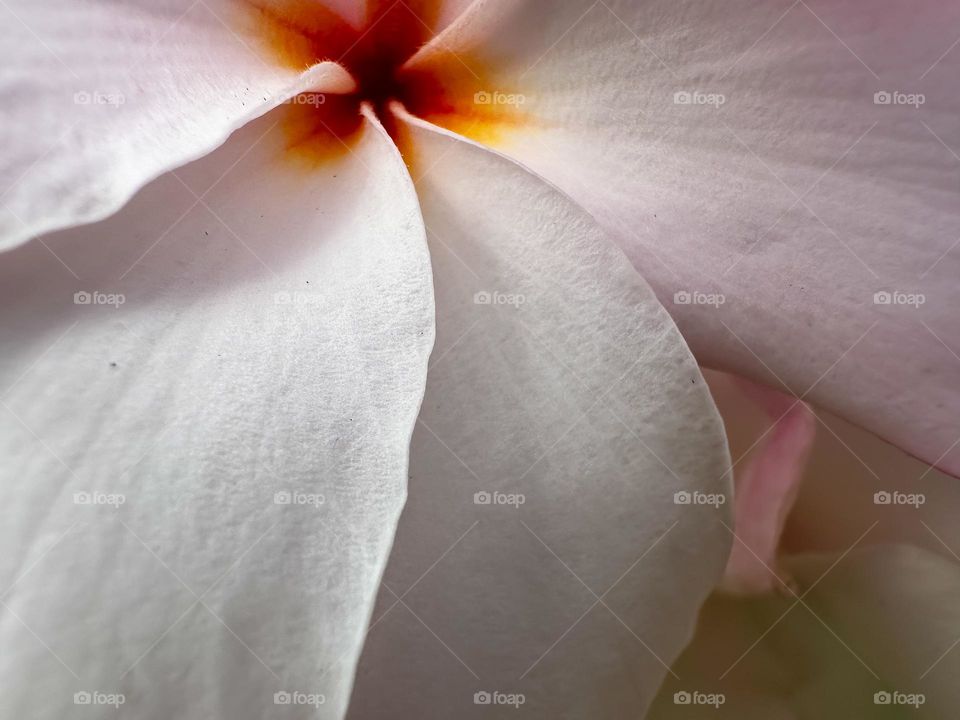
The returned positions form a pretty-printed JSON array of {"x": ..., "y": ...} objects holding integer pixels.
[{"x": 478, "y": 358}]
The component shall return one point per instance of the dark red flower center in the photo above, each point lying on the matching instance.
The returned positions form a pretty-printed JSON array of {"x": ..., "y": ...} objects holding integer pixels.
[{"x": 301, "y": 33}]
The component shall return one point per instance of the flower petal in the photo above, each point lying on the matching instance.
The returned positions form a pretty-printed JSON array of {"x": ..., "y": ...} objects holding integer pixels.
[
  {"x": 874, "y": 629},
  {"x": 878, "y": 611},
  {"x": 249, "y": 392},
  {"x": 797, "y": 163},
  {"x": 851, "y": 481},
  {"x": 542, "y": 551},
  {"x": 101, "y": 97},
  {"x": 854, "y": 481},
  {"x": 766, "y": 484}
]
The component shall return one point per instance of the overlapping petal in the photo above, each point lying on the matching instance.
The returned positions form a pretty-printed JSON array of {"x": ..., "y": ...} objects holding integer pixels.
[
  {"x": 543, "y": 551},
  {"x": 100, "y": 97},
  {"x": 784, "y": 174},
  {"x": 867, "y": 624},
  {"x": 207, "y": 409},
  {"x": 851, "y": 484},
  {"x": 207, "y": 404}
]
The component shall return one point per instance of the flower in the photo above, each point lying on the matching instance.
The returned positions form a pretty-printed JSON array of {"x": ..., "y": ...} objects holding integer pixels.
[{"x": 335, "y": 253}]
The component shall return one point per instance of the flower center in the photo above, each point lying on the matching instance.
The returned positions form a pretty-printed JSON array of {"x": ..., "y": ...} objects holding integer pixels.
[{"x": 301, "y": 33}]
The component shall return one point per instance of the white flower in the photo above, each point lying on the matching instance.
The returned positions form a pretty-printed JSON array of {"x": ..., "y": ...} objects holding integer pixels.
[{"x": 295, "y": 205}]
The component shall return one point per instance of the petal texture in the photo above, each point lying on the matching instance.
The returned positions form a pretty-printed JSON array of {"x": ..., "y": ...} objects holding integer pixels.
[
  {"x": 784, "y": 174},
  {"x": 100, "y": 97},
  {"x": 543, "y": 557},
  {"x": 206, "y": 449}
]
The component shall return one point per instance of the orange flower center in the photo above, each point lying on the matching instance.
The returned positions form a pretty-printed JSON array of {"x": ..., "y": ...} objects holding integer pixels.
[{"x": 301, "y": 33}]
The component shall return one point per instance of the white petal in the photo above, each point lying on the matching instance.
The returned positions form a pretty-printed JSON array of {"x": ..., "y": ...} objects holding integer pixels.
[
  {"x": 797, "y": 199},
  {"x": 97, "y": 98},
  {"x": 274, "y": 339},
  {"x": 572, "y": 390}
]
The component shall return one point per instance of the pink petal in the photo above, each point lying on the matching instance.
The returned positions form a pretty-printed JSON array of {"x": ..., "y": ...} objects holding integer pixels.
[
  {"x": 766, "y": 483},
  {"x": 796, "y": 200}
]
